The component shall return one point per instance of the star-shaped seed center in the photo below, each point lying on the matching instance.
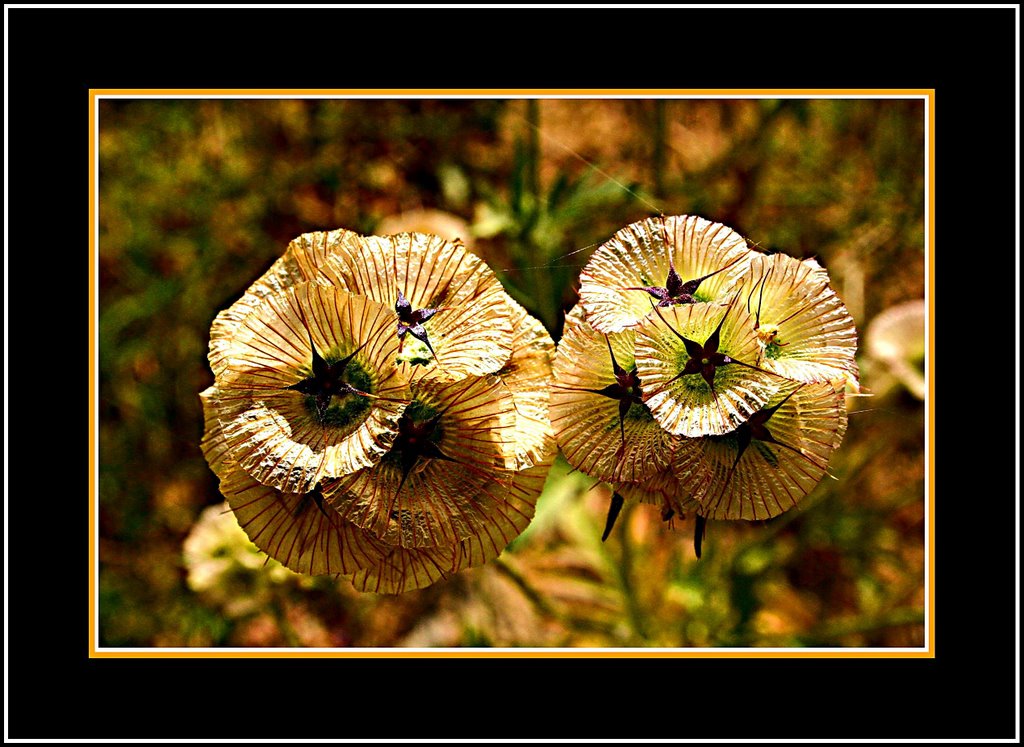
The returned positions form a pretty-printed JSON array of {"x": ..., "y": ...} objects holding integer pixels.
[
  {"x": 626, "y": 389},
  {"x": 675, "y": 291},
  {"x": 417, "y": 440},
  {"x": 704, "y": 357},
  {"x": 411, "y": 321},
  {"x": 328, "y": 380}
]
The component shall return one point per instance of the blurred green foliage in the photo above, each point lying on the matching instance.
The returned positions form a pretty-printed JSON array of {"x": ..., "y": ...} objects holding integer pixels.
[{"x": 198, "y": 197}]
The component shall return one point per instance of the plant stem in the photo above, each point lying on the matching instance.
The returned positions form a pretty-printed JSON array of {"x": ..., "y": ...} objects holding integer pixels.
[
  {"x": 533, "y": 151},
  {"x": 623, "y": 574}
]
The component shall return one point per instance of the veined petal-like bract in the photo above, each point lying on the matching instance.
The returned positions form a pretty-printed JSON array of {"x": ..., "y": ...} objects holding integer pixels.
[
  {"x": 289, "y": 438},
  {"x": 676, "y": 259},
  {"x": 720, "y": 393},
  {"x": 470, "y": 331},
  {"x": 602, "y": 426},
  {"x": 767, "y": 465},
  {"x": 804, "y": 331},
  {"x": 434, "y": 487}
]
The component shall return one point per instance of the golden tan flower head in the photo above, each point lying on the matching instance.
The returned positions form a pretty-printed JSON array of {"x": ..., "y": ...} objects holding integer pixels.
[
  {"x": 453, "y": 318},
  {"x": 311, "y": 390},
  {"x": 667, "y": 261},
  {"x": 696, "y": 365},
  {"x": 379, "y": 410}
]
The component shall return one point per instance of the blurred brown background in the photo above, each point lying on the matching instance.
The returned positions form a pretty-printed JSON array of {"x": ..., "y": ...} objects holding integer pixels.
[{"x": 198, "y": 197}]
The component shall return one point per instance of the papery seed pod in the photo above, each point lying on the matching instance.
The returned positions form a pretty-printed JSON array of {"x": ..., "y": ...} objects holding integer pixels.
[
  {"x": 300, "y": 531},
  {"x": 454, "y": 320},
  {"x": 348, "y": 424},
  {"x": 696, "y": 365},
  {"x": 519, "y": 504},
  {"x": 599, "y": 419},
  {"x": 300, "y": 263},
  {"x": 768, "y": 464},
  {"x": 406, "y": 569},
  {"x": 445, "y": 476},
  {"x": 804, "y": 331},
  {"x": 311, "y": 389},
  {"x": 666, "y": 260},
  {"x": 528, "y": 376}
]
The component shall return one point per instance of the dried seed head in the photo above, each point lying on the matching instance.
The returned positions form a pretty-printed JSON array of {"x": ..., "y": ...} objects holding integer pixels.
[
  {"x": 447, "y": 300},
  {"x": 599, "y": 419},
  {"x": 380, "y": 410},
  {"x": 311, "y": 390}
]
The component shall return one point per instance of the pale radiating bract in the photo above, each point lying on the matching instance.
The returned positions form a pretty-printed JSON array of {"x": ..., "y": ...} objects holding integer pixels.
[
  {"x": 769, "y": 464},
  {"x": 406, "y": 569},
  {"x": 299, "y": 530},
  {"x": 689, "y": 404},
  {"x": 445, "y": 476},
  {"x": 643, "y": 254},
  {"x": 528, "y": 376},
  {"x": 602, "y": 427},
  {"x": 471, "y": 332},
  {"x": 283, "y": 437},
  {"x": 803, "y": 330}
]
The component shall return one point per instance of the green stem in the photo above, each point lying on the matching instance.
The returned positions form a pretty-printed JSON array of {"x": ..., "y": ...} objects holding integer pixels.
[
  {"x": 533, "y": 150},
  {"x": 623, "y": 575},
  {"x": 535, "y": 597}
]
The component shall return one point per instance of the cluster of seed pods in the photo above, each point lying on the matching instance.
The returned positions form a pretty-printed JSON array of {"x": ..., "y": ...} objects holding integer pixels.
[
  {"x": 701, "y": 375},
  {"x": 379, "y": 410}
]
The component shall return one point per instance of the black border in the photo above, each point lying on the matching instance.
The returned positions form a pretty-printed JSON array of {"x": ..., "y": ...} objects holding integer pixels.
[{"x": 55, "y": 56}]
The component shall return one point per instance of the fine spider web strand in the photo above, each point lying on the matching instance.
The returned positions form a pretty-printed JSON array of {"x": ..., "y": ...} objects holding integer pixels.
[
  {"x": 593, "y": 167},
  {"x": 556, "y": 259}
]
